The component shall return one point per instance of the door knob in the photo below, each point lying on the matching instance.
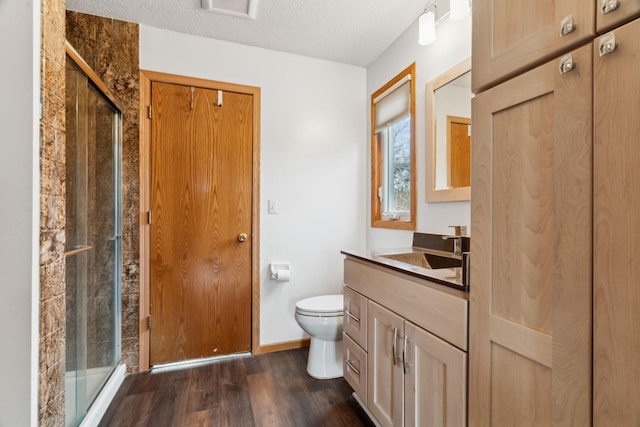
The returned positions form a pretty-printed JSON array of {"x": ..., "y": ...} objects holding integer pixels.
[{"x": 242, "y": 237}]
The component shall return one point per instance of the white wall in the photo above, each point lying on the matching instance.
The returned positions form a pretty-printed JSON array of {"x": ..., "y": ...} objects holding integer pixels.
[
  {"x": 19, "y": 211},
  {"x": 453, "y": 45},
  {"x": 313, "y": 150}
]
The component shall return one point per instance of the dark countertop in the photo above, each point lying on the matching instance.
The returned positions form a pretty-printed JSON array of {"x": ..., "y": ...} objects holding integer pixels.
[{"x": 451, "y": 277}]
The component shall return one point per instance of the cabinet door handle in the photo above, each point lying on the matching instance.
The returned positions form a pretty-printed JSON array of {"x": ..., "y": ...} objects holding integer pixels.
[
  {"x": 567, "y": 26},
  {"x": 607, "y": 44},
  {"x": 355, "y": 319},
  {"x": 393, "y": 346},
  {"x": 608, "y": 6},
  {"x": 352, "y": 368},
  {"x": 405, "y": 365},
  {"x": 567, "y": 64}
]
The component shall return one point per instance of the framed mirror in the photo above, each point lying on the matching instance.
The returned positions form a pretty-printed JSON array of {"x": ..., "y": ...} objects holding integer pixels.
[{"x": 448, "y": 108}]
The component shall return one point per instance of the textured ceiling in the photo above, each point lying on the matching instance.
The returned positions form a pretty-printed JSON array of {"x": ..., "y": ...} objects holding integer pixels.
[{"x": 349, "y": 31}]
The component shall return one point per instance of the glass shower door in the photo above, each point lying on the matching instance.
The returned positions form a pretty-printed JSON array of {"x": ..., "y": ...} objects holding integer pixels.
[{"x": 93, "y": 241}]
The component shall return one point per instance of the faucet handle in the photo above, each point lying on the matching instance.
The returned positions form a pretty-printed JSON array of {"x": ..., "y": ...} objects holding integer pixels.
[{"x": 459, "y": 230}]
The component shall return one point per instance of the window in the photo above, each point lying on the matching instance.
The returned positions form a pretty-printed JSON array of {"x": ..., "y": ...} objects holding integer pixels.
[{"x": 393, "y": 192}]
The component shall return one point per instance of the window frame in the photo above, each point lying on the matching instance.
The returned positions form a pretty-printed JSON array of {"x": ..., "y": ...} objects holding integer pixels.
[{"x": 377, "y": 158}]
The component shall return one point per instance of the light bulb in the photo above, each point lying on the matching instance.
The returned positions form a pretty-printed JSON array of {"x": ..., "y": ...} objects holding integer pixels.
[{"x": 427, "y": 28}]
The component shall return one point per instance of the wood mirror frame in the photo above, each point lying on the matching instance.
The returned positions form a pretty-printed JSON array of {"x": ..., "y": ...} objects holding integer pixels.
[{"x": 447, "y": 194}]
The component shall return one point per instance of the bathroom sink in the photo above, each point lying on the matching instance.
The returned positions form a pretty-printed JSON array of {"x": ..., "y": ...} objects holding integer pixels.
[{"x": 425, "y": 260}]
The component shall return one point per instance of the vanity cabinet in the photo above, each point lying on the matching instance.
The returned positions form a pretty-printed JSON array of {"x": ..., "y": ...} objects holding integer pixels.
[
  {"x": 414, "y": 357},
  {"x": 512, "y": 36}
]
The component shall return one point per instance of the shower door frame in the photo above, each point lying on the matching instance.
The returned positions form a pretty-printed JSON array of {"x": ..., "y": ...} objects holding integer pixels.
[{"x": 95, "y": 81}]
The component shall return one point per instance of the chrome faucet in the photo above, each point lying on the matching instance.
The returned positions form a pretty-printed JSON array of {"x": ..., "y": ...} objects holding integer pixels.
[
  {"x": 457, "y": 244},
  {"x": 458, "y": 231}
]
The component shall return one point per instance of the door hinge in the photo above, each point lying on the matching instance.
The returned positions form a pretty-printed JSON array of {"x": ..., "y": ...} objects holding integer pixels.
[
  {"x": 149, "y": 217},
  {"x": 149, "y": 322},
  {"x": 149, "y": 111}
]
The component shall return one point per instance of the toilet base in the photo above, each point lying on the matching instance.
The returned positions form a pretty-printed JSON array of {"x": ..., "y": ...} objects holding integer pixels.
[{"x": 325, "y": 359}]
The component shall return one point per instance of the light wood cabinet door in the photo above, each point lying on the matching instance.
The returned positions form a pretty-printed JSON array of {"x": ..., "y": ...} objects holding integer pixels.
[
  {"x": 435, "y": 391},
  {"x": 355, "y": 316},
  {"x": 510, "y": 36},
  {"x": 385, "y": 381},
  {"x": 611, "y": 13},
  {"x": 531, "y": 220},
  {"x": 616, "y": 381}
]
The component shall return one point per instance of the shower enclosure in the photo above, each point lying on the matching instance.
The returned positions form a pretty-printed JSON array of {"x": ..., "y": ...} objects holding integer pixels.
[{"x": 93, "y": 237}]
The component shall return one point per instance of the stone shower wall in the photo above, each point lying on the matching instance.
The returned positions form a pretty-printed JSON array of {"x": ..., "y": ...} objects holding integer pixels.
[
  {"x": 111, "y": 48},
  {"x": 51, "y": 398}
]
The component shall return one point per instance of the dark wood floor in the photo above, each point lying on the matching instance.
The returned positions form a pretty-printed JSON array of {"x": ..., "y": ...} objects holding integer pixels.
[{"x": 266, "y": 390}]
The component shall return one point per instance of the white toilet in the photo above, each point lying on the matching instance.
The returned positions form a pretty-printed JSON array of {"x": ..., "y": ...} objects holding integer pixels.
[{"x": 321, "y": 317}]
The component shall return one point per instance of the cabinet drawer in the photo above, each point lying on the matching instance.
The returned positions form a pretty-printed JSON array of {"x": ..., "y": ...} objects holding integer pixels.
[
  {"x": 355, "y": 366},
  {"x": 355, "y": 316},
  {"x": 442, "y": 312}
]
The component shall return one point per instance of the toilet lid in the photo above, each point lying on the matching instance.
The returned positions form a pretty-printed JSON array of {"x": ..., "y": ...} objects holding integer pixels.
[{"x": 322, "y": 304}]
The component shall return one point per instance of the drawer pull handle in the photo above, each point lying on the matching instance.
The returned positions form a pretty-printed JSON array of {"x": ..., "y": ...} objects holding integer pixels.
[
  {"x": 609, "y": 6},
  {"x": 607, "y": 44},
  {"x": 393, "y": 346},
  {"x": 352, "y": 367},
  {"x": 567, "y": 26},
  {"x": 355, "y": 319},
  {"x": 566, "y": 64}
]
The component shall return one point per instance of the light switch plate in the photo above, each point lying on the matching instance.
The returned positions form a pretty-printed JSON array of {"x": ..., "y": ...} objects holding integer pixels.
[{"x": 272, "y": 207}]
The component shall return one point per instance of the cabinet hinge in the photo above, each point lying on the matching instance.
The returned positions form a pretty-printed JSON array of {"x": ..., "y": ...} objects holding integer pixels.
[
  {"x": 149, "y": 217},
  {"x": 149, "y": 111},
  {"x": 149, "y": 322}
]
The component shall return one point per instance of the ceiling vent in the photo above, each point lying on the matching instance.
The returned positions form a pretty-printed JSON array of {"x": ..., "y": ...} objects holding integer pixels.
[{"x": 240, "y": 8}]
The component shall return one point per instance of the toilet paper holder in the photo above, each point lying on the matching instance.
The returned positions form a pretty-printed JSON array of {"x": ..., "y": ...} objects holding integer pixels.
[{"x": 276, "y": 266}]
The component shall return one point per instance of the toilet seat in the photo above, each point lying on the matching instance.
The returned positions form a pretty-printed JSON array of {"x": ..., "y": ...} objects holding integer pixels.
[{"x": 321, "y": 306}]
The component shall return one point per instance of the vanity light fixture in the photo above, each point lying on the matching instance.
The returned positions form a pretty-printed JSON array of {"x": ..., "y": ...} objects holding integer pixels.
[
  {"x": 427, "y": 25},
  {"x": 458, "y": 9}
]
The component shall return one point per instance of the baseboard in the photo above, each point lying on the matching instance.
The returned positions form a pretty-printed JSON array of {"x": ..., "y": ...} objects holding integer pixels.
[{"x": 287, "y": 345}]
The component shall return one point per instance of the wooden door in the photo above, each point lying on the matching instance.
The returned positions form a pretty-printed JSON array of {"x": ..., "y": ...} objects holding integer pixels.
[
  {"x": 435, "y": 391},
  {"x": 611, "y": 13},
  {"x": 459, "y": 149},
  {"x": 616, "y": 380},
  {"x": 385, "y": 380},
  {"x": 531, "y": 219},
  {"x": 510, "y": 36},
  {"x": 201, "y": 183}
]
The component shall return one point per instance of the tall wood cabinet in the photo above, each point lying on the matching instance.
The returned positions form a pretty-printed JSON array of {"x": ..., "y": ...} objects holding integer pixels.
[{"x": 555, "y": 217}]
